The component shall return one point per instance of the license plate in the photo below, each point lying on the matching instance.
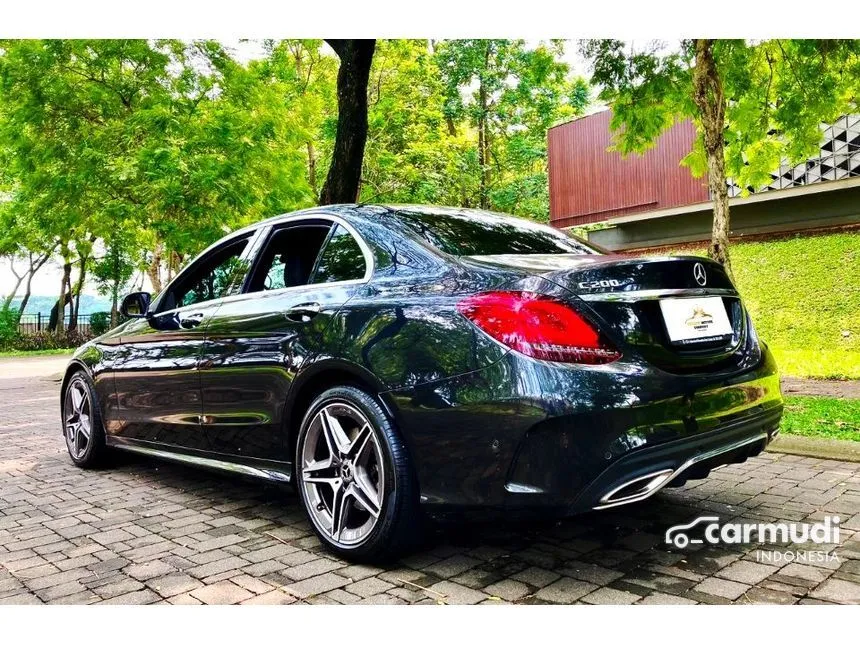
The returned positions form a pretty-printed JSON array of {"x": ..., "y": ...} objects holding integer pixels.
[{"x": 695, "y": 320}]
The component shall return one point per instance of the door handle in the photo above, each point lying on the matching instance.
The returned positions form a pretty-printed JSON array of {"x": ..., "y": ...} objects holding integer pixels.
[
  {"x": 191, "y": 320},
  {"x": 304, "y": 312}
]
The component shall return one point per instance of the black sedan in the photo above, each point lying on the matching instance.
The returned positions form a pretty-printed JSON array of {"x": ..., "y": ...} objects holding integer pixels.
[{"x": 397, "y": 362}]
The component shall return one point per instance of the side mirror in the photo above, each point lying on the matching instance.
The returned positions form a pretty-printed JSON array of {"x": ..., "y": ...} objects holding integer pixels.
[{"x": 136, "y": 305}]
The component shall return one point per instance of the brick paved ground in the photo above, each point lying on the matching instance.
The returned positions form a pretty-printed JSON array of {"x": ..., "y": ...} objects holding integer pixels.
[{"x": 147, "y": 532}]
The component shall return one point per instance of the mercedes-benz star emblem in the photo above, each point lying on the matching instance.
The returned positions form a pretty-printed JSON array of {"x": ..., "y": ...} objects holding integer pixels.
[{"x": 699, "y": 274}]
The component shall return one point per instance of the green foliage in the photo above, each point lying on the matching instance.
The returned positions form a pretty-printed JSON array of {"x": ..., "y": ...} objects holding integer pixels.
[
  {"x": 44, "y": 340},
  {"x": 12, "y": 353},
  {"x": 822, "y": 417},
  {"x": 113, "y": 271},
  {"x": 8, "y": 326},
  {"x": 99, "y": 322},
  {"x": 132, "y": 155},
  {"x": 411, "y": 156},
  {"x": 306, "y": 78},
  {"x": 506, "y": 95},
  {"x": 155, "y": 148},
  {"x": 778, "y": 92},
  {"x": 804, "y": 299}
]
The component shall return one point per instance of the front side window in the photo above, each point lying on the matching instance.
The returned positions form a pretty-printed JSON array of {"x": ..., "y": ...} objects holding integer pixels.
[
  {"x": 341, "y": 259},
  {"x": 213, "y": 277}
]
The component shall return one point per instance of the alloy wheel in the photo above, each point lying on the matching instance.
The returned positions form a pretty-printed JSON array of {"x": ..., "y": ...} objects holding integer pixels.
[
  {"x": 342, "y": 474},
  {"x": 78, "y": 418}
]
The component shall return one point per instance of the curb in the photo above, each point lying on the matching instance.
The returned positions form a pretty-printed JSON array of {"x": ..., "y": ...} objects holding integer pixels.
[
  {"x": 837, "y": 449},
  {"x": 792, "y": 386}
]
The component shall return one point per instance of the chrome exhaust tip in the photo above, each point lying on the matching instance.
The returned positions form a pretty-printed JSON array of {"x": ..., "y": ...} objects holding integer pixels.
[
  {"x": 636, "y": 489},
  {"x": 644, "y": 486}
]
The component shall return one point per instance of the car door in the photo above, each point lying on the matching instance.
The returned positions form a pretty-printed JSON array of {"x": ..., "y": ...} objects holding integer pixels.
[
  {"x": 256, "y": 342},
  {"x": 157, "y": 379}
]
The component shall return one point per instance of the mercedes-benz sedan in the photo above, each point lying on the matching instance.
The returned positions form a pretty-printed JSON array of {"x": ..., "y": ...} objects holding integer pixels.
[{"x": 394, "y": 362}]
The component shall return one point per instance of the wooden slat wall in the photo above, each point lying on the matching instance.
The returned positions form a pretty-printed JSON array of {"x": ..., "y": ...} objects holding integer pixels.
[{"x": 587, "y": 183}]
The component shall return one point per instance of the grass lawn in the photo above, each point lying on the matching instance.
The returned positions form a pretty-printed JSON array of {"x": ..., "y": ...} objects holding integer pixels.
[
  {"x": 804, "y": 296},
  {"x": 42, "y": 352},
  {"x": 814, "y": 416}
]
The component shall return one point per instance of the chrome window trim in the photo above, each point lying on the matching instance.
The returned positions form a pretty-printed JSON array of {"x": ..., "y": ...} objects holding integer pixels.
[
  {"x": 251, "y": 245},
  {"x": 255, "y": 246},
  {"x": 369, "y": 260}
]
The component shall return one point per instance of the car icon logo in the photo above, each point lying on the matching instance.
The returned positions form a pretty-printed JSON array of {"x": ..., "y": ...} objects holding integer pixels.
[
  {"x": 677, "y": 535},
  {"x": 699, "y": 274}
]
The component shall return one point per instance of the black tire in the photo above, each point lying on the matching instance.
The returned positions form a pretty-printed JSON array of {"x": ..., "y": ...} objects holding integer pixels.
[
  {"x": 94, "y": 453},
  {"x": 398, "y": 527}
]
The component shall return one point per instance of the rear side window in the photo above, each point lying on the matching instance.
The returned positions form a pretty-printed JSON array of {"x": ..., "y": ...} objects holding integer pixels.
[
  {"x": 289, "y": 256},
  {"x": 483, "y": 233},
  {"x": 341, "y": 259}
]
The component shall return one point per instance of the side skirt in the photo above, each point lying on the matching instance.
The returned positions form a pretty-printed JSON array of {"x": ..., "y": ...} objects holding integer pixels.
[{"x": 272, "y": 471}]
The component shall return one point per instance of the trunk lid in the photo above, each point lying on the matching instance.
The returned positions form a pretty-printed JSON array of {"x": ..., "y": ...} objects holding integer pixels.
[{"x": 623, "y": 296}]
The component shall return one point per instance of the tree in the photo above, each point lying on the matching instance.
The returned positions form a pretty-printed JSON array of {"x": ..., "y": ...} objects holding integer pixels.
[
  {"x": 509, "y": 94},
  {"x": 754, "y": 104},
  {"x": 411, "y": 157},
  {"x": 308, "y": 78},
  {"x": 344, "y": 176},
  {"x": 113, "y": 271},
  {"x": 23, "y": 245},
  {"x": 175, "y": 140},
  {"x": 127, "y": 157}
]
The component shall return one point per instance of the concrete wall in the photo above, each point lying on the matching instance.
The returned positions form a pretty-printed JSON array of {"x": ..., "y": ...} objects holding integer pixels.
[{"x": 748, "y": 217}]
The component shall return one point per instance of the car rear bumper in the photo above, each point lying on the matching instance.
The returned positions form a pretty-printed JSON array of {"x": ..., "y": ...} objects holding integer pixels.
[
  {"x": 529, "y": 436},
  {"x": 642, "y": 474}
]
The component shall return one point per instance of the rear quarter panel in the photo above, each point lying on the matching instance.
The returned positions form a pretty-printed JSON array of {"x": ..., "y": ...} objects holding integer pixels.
[{"x": 410, "y": 333}]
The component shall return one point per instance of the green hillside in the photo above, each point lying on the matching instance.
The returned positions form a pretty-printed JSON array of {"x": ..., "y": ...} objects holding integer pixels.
[
  {"x": 804, "y": 296},
  {"x": 36, "y": 304}
]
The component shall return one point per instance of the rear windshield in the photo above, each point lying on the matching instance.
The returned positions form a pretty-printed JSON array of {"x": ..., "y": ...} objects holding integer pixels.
[{"x": 482, "y": 233}]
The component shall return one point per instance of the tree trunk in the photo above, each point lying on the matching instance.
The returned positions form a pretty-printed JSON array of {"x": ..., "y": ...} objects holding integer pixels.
[
  {"x": 482, "y": 191},
  {"x": 710, "y": 101},
  {"x": 114, "y": 307},
  {"x": 343, "y": 182},
  {"x": 79, "y": 287},
  {"x": 452, "y": 127},
  {"x": 60, "y": 323},
  {"x": 483, "y": 156},
  {"x": 26, "y": 298},
  {"x": 54, "y": 316},
  {"x": 312, "y": 167},
  {"x": 7, "y": 301},
  {"x": 35, "y": 265},
  {"x": 154, "y": 268},
  {"x": 114, "y": 286}
]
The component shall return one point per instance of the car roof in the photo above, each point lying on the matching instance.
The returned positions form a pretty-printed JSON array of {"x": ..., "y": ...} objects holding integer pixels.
[{"x": 371, "y": 213}]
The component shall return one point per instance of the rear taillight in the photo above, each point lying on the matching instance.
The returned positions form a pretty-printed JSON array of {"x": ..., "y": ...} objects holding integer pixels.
[{"x": 538, "y": 326}]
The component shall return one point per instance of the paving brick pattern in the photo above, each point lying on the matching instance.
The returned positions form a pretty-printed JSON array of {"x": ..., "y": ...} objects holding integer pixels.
[{"x": 148, "y": 532}]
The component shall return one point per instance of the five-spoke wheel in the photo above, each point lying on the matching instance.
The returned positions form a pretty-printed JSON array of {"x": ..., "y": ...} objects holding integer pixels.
[
  {"x": 78, "y": 418},
  {"x": 354, "y": 476},
  {"x": 343, "y": 473},
  {"x": 82, "y": 422}
]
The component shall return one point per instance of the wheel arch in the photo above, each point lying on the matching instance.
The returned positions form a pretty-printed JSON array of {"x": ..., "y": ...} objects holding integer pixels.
[
  {"x": 84, "y": 362},
  {"x": 75, "y": 365},
  {"x": 320, "y": 376}
]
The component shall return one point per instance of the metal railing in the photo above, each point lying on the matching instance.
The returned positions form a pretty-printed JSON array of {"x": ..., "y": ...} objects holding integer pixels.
[{"x": 34, "y": 323}]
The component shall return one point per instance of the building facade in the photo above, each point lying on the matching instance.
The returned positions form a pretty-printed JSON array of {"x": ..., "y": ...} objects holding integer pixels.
[{"x": 651, "y": 200}]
